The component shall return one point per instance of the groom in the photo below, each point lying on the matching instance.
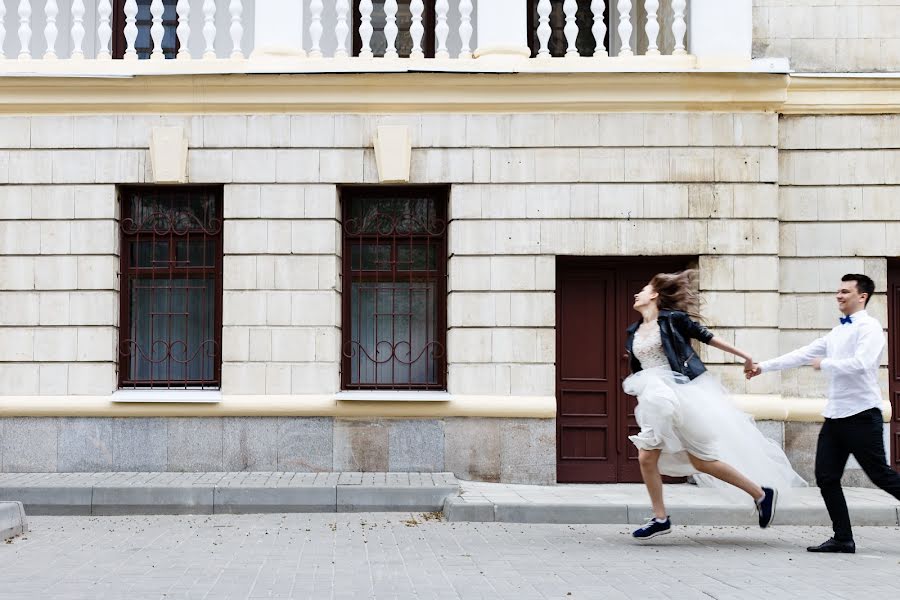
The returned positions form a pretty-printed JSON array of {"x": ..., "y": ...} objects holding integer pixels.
[{"x": 849, "y": 355}]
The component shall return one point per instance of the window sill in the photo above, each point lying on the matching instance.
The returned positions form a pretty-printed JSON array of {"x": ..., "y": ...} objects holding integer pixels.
[
  {"x": 178, "y": 396},
  {"x": 392, "y": 396}
]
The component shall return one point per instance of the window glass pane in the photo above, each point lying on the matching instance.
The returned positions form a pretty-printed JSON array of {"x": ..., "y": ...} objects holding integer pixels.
[
  {"x": 394, "y": 327},
  {"x": 150, "y": 254},
  {"x": 195, "y": 253},
  {"x": 368, "y": 257},
  {"x": 394, "y": 216},
  {"x": 417, "y": 257},
  {"x": 171, "y": 331}
]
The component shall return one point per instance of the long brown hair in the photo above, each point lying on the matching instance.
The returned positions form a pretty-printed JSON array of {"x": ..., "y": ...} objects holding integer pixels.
[{"x": 677, "y": 291}]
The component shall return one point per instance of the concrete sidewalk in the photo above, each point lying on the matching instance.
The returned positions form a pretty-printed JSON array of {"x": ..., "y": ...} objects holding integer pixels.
[{"x": 629, "y": 503}]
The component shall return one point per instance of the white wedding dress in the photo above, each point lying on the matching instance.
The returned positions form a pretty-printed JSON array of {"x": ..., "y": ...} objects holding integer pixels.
[{"x": 681, "y": 416}]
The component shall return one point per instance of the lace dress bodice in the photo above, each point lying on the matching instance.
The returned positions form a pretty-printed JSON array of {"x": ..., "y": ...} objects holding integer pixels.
[{"x": 647, "y": 347}]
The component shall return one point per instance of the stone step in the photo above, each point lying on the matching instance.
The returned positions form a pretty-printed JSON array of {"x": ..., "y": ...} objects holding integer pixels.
[
  {"x": 12, "y": 520},
  {"x": 231, "y": 493}
]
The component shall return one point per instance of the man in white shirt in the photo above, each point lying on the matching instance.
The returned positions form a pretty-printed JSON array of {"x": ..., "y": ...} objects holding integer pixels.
[{"x": 849, "y": 355}]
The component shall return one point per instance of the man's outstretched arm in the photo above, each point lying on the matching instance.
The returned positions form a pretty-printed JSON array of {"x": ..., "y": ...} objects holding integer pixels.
[{"x": 791, "y": 360}]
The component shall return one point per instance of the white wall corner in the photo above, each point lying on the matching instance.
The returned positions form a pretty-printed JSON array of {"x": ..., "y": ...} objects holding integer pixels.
[
  {"x": 721, "y": 29},
  {"x": 168, "y": 154},
  {"x": 393, "y": 152}
]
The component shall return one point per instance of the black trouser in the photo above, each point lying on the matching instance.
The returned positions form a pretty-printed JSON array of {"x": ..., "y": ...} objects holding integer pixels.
[{"x": 862, "y": 436}]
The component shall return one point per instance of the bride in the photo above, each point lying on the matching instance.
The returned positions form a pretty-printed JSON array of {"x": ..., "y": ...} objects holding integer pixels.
[{"x": 689, "y": 425}]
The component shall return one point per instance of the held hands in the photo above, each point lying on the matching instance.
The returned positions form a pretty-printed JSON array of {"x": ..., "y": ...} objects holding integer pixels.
[{"x": 751, "y": 369}]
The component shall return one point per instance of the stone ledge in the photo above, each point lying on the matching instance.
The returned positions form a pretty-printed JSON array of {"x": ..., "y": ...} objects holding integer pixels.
[{"x": 12, "y": 520}]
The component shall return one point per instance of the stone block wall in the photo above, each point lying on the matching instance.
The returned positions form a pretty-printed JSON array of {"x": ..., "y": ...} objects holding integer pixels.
[
  {"x": 840, "y": 179},
  {"x": 840, "y": 36}
]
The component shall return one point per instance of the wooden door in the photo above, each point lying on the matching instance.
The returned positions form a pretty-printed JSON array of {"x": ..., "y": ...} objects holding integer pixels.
[
  {"x": 893, "y": 298},
  {"x": 594, "y": 416}
]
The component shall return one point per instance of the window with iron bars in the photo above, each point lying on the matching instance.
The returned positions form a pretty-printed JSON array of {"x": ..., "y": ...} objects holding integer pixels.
[
  {"x": 170, "y": 331},
  {"x": 395, "y": 288}
]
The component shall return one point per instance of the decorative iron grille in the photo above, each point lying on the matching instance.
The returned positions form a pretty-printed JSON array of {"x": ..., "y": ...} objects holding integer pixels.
[
  {"x": 395, "y": 293},
  {"x": 170, "y": 334}
]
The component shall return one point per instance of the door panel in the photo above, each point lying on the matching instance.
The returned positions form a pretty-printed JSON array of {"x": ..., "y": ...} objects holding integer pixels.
[{"x": 594, "y": 416}]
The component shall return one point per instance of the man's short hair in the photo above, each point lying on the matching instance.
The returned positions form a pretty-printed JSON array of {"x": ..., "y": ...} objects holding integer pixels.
[{"x": 864, "y": 284}]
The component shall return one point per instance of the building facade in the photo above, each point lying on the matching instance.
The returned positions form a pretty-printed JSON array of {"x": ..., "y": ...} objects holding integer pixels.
[{"x": 404, "y": 236}]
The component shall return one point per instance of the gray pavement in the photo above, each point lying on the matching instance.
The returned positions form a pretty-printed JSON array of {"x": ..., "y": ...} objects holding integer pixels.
[{"x": 417, "y": 556}]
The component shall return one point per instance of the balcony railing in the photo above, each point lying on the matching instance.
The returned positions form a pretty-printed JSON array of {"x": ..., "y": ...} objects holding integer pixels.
[{"x": 235, "y": 30}]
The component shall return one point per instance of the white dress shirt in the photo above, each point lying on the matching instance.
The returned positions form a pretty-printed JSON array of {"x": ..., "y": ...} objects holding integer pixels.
[{"x": 852, "y": 354}]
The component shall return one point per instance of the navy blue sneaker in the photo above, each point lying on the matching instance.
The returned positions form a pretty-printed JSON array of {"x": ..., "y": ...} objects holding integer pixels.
[
  {"x": 652, "y": 528},
  {"x": 766, "y": 507}
]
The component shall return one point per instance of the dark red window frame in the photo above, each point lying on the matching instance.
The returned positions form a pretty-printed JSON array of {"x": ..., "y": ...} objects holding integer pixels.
[
  {"x": 170, "y": 235},
  {"x": 391, "y": 241}
]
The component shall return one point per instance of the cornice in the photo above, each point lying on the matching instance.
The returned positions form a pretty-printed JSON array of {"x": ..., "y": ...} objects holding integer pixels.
[{"x": 831, "y": 94}]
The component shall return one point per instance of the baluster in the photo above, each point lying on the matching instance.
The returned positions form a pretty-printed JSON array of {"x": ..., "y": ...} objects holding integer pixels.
[
  {"x": 625, "y": 28},
  {"x": 315, "y": 27},
  {"x": 417, "y": 30},
  {"x": 156, "y": 29},
  {"x": 77, "y": 28},
  {"x": 365, "y": 28},
  {"x": 571, "y": 28},
  {"x": 209, "y": 28},
  {"x": 104, "y": 29},
  {"x": 598, "y": 7},
  {"x": 652, "y": 28},
  {"x": 236, "y": 8},
  {"x": 25, "y": 29},
  {"x": 679, "y": 27},
  {"x": 2, "y": 28},
  {"x": 543, "y": 30},
  {"x": 441, "y": 30},
  {"x": 183, "y": 31},
  {"x": 131, "y": 29},
  {"x": 465, "y": 27},
  {"x": 51, "y": 9},
  {"x": 342, "y": 28},
  {"x": 390, "y": 28}
]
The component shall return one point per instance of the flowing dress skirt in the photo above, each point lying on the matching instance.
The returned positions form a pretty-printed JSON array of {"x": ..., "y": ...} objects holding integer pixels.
[{"x": 680, "y": 417}]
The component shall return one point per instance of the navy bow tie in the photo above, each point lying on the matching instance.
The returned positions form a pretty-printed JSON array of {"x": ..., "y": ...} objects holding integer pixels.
[{"x": 845, "y": 320}]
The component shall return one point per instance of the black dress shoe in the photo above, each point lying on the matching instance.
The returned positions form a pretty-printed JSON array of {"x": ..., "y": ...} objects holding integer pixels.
[{"x": 834, "y": 546}]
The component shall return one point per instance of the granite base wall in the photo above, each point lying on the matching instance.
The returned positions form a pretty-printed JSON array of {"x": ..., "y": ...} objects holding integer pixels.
[{"x": 505, "y": 450}]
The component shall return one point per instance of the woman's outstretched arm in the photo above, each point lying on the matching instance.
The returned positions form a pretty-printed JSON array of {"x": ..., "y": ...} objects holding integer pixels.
[{"x": 717, "y": 342}]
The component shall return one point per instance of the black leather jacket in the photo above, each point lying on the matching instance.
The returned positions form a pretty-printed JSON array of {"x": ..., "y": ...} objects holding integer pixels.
[{"x": 676, "y": 330}]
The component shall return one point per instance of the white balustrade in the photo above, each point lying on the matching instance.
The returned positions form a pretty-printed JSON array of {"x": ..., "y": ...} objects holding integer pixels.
[
  {"x": 157, "y": 31},
  {"x": 77, "y": 28},
  {"x": 315, "y": 27},
  {"x": 183, "y": 31},
  {"x": 365, "y": 28},
  {"x": 24, "y": 29},
  {"x": 599, "y": 29},
  {"x": 131, "y": 29},
  {"x": 390, "y": 28},
  {"x": 416, "y": 29},
  {"x": 236, "y": 9},
  {"x": 679, "y": 27},
  {"x": 652, "y": 28},
  {"x": 625, "y": 29},
  {"x": 104, "y": 29},
  {"x": 342, "y": 28},
  {"x": 51, "y": 9},
  {"x": 209, "y": 28},
  {"x": 571, "y": 29},
  {"x": 441, "y": 30},
  {"x": 543, "y": 29},
  {"x": 465, "y": 28}
]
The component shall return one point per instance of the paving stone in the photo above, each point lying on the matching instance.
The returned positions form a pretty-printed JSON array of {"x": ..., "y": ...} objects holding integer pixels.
[
  {"x": 248, "y": 499},
  {"x": 156, "y": 500}
]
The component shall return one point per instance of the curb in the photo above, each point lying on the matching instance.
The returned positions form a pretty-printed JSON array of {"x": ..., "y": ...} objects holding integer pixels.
[
  {"x": 12, "y": 520},
  {"x": 458, "y": 509},
  {"x": 224, "y": 499}
]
